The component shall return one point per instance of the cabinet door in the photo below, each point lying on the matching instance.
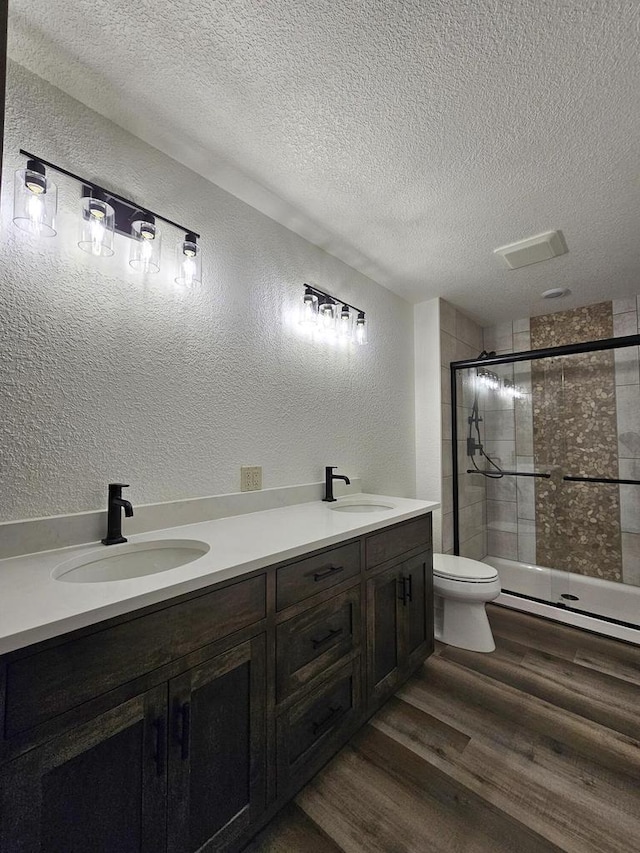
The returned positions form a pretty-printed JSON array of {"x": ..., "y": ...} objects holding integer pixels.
[
  {"x": 417, "y": 606},
  {"x": 384, "y": 631},
  {"x": 217, "y": 749},
  {"x": 99, "y": 787}
]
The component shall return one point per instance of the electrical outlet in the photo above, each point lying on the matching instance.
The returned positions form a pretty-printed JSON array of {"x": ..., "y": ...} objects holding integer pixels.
[{"x": 250, "y": 478}]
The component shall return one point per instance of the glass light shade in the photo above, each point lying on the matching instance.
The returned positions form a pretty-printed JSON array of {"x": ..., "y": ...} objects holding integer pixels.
[
  {"x": 309, "y": 309},
  {"x": 97, "y": 227},
  {"x": 361, "y": 329},
  {"x": 327, "y": 314},
  {"x": 189, "y": 262},
  {"x": 35, "y": 202},
  {"x": 144, "y": 255},
  {"x": 345, "y": 322}
]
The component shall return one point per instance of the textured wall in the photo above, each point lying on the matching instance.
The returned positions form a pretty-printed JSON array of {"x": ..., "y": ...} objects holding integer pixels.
[
  {"x": 106, "y": 376},
  {"x": 415, "y": 135}
]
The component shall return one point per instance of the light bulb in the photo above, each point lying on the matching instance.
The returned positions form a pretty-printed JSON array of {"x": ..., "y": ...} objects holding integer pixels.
[
  {"x": 361, "y": 329},
  {"x": 188, "y": 270},
  {"x": 145, "y": 246},
  {"x": 327, "y": 316},
  {"x": 345, "y": 322},
  {"x": 309, "y": 309},
  {"x": 35, "y": 208},
  {"x": 97, "y": 223},
  {"x": 35, "y": 201},
  {"x": 97, "y": 235},
  {"x": 189, "y": 261}
]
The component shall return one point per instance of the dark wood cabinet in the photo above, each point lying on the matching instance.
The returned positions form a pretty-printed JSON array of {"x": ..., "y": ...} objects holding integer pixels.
[
  {"x": 99, "y": 787},
  {"x": 217, "y": 751},
  {"x": 311, "y": 731},
  {"x": 308, "y": 644},
  {"x": 183, "y": 727},
  {"x": 399, "y": 623}
]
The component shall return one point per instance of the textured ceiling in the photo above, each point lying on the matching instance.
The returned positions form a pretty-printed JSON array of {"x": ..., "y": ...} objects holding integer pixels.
[{"x": 408, "y": 137}]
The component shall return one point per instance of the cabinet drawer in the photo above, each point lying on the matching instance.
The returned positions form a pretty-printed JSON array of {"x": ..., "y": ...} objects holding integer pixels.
[
  {"x": 394, "y": 541},
  {"x": 57, "y": 679},
  {"x": 308, "y": 644},
  {"x": 314, "y": 574},
  {"x": 312, "y": 730}
]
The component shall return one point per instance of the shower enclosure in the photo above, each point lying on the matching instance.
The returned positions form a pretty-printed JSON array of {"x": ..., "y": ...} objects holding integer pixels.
[{"x": 546, "y": 477}]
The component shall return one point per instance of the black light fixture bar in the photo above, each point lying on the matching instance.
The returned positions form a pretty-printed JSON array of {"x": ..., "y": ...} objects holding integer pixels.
[
  {"x": 131, "y": 205},
  {"x": 335, "y": 299}
]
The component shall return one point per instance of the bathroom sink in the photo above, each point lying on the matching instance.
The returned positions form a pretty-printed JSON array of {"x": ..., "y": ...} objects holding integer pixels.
[
  {"x": 360, "y": 504},
  {"x": 132, "y": 560}
]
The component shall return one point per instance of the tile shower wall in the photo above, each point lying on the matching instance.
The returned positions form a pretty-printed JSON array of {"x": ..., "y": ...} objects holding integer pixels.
[
  {"x": 460, "y": 338},
  {"x": 511, "y": 507},
  {"x": 574, "y": 425},
  {"x": 509, "y": 423},
  {"x": 626, "y": 321}
]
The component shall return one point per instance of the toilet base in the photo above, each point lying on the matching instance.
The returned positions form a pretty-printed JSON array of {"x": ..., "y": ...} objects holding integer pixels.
[{"x": 464, "y": 624}]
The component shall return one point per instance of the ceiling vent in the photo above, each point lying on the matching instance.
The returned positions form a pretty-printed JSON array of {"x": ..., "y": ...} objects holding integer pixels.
[{"x": 542, "y": 247}]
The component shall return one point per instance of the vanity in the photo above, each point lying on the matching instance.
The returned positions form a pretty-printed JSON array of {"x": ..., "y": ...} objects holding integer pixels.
[{"x": 186, "y": 715}]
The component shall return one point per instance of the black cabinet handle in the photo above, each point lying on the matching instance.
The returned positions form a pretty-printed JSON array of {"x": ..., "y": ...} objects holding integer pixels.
[
  {"x": 403, "y": 591},
  {"x": 408, "y": 582},
  {"x": 184, "y": 735},
  {"x": 322, "y": 725},
  {"x": 332, "y": 570},
  {"x": 159, "y": 745},
  {"x": 406, "y": 589},
  {"x": 334, "y": 632}
]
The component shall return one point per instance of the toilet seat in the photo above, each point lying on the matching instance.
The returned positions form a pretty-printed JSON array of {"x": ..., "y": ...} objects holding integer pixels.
[{"x": 453, "y": 568}]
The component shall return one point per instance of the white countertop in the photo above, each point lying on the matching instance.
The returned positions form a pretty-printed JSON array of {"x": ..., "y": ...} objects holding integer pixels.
[{"x": 35, "y": 607}]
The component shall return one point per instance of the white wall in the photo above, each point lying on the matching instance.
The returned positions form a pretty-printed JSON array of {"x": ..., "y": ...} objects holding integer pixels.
[
  {"x": 105, "y": 376},
  {"x": 428, "y": 410}
]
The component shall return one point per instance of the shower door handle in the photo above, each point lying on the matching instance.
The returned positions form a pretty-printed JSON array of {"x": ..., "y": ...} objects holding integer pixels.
[
  {"x": 544, "y": 476},
  {"x": 620, "y": 482}
]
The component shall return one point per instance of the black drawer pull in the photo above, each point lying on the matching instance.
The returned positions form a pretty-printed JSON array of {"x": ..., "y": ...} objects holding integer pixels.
[
  {"x": 322, "y": 725},
  {"x": 158, "y": 745},
  {"x": 334, "y": 632},
  {"x": 184, "y": 735},
  {"x": 333, "y": 570}
]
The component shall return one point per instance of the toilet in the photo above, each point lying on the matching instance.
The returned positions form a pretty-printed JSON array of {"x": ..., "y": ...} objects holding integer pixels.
[{"x": 462, "y": 587}]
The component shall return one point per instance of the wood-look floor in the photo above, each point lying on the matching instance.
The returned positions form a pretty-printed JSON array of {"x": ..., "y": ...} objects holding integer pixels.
[{"x": 533, "y": 748}]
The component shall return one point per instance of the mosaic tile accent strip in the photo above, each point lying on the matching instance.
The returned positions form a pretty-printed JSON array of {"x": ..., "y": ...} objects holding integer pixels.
[{"x": 575, "y": 432}]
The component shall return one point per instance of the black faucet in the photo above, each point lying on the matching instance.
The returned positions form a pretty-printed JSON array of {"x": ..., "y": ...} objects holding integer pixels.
[
  {"x": 114, "y": 516},
  {"x": 329, "y": 477}
]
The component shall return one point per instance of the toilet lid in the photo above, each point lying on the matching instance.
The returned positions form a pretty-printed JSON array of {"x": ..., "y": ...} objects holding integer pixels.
[{"x": 462, "y": 568}]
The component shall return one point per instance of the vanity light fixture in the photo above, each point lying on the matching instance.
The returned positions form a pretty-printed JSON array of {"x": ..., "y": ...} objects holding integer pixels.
[
  {"x": 331, "y": 316},
  {"x": 188, "y": 261},
  {"x": 102, "y": 214},
  {"x": 35, "y": 200}
]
